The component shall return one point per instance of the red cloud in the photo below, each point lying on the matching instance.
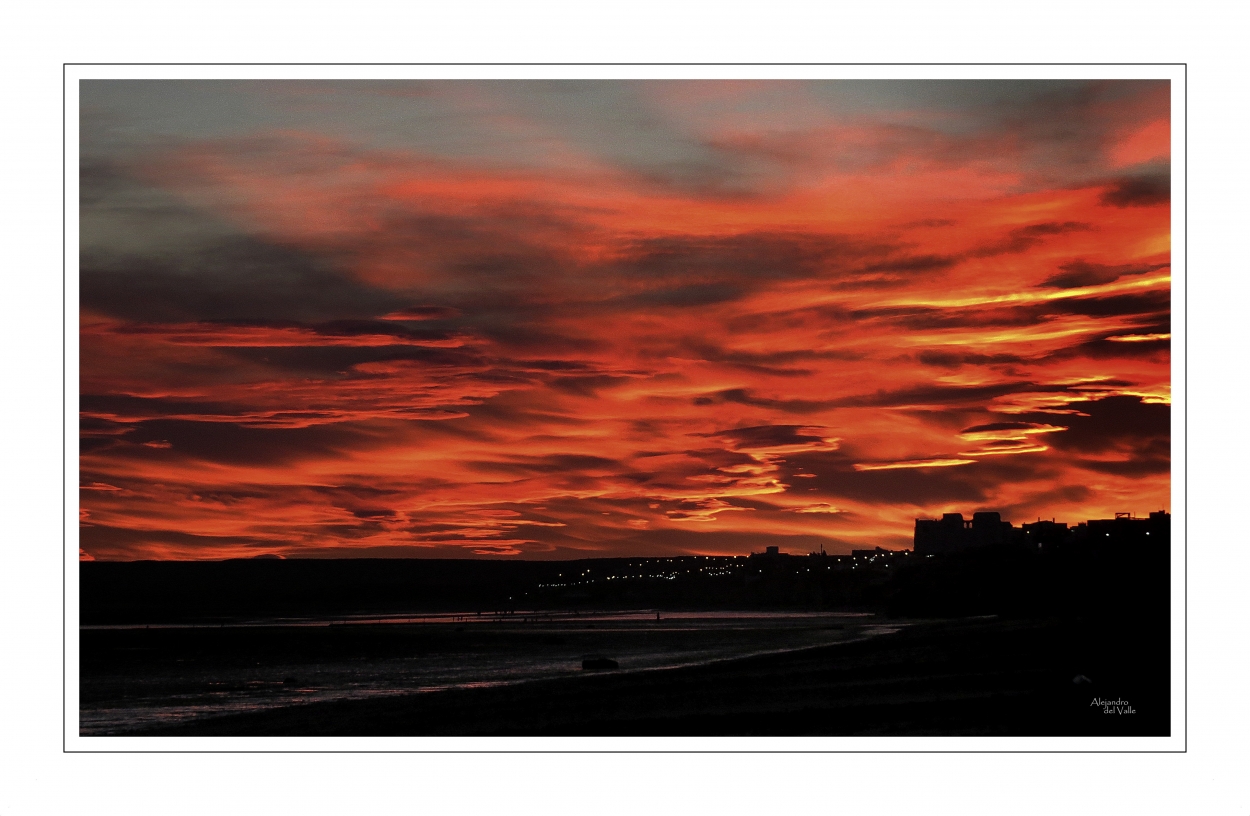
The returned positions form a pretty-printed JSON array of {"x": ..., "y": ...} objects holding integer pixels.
[{"x": 610, "y": 357}]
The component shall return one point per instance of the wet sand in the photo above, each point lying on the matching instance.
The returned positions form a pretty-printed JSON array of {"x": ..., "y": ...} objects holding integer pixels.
[
  {"x": 135, "y": 677},
  {"x": 983, "y": 676}
]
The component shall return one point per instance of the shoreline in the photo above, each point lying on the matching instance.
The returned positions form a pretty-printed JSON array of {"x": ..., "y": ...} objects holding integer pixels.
[
  {"x": 984, "y": 675},
  {"x": 846, "y": 628}
]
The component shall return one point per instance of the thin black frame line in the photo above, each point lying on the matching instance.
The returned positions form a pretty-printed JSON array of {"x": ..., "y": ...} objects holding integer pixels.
[
  {"x": 64, "y": 414},
  {"x": 1185, "y": 421},
  {"x": 1184, "y": 749},
  {"x": 658, "y": 751},
  {"x": 609, "y": 64}
]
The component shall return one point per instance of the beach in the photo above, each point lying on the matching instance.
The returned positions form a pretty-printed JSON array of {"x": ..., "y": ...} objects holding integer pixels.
[
  {"x": 142, "y": 676},
  {"x": 975, "y": 676}
]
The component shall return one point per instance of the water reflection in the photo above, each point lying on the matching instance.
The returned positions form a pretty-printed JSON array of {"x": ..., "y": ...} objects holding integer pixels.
[{"x": 134, "y": 677}]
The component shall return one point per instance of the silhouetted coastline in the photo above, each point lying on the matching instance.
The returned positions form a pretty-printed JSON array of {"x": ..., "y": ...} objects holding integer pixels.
[
  {"x": 982, "y": 676},
  {"x": 1004, "y": 637}
]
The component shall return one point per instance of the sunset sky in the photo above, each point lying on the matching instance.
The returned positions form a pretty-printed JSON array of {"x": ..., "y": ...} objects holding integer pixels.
[{"x": 574, "y": 319}]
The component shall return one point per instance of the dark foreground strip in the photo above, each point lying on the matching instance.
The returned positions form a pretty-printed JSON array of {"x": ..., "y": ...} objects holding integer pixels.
[{"x": 969, "y": 677}]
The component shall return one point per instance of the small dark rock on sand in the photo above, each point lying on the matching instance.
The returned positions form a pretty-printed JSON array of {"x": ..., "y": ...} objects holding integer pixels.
[{"x": 599, "y": 664}]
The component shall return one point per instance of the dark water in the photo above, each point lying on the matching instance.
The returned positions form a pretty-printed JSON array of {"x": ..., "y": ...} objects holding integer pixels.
[{"x": 137, "y": 677}]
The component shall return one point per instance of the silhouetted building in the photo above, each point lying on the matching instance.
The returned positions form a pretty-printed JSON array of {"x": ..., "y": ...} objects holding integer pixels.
[
  {"x": 772, "y": 561},
  {"x": 1041, "y": 534},
  {"x": 771, "y": 555},
  {"x": 989, "y": 529},
  {"x": 942, "y": 535},
  {"x": 1126, "y": 531},
  {"x": 952, "y": 533}
]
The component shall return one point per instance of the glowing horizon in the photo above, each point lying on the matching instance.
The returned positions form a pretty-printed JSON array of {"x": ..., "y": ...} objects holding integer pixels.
[{"x": 603, "y": 318}]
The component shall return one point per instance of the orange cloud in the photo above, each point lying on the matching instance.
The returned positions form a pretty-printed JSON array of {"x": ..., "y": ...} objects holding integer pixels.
[{"x": 386, "y": 351}]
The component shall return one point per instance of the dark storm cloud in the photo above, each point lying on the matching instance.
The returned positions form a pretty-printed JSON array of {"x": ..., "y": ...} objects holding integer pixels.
[
  {"x": 331, "y": 361},
  {"x": 217, "y": 332},
  {"x": 561, "y": 366},
  {"x": 774, "y": 362},
  {"x": 516, "y": 253},
  {"x": 715, "y": 268},
  {"x": 95, "y": 444},
  {"x": 147, "y": 256},
  {"x": 1043, "y": 503},
  {"x": 525, "y": 333},
  {"x": 869, "y": 283},
  {"x": 1083, "y": 273},
  {"x": 358, "y": 328},
  {"x": 918, "y": 395},
  {"x": 99, "y": 426},
  {"x": 835, "y": 477},
  {"x": 1139, "y": 191},
  {"x": 1150, "y": 460},
  {"x": 950, "y": 359},
  {"x": 751, "y": 255},
  {"x": 925, "y": 318},
  {"x": 236, "y": 495},
  {"x": 554, "y": 463},
  {"x": 765, "y": 436},
  {"x": 1103, "y": 349},
  {"x": 587, "y": 386},
  {"x": 711, "y": 178},
  {"x": 100, "y": 179},
  {"x": 504, "y": 410},
  {"x": 231, "y": 278},
  {"x": 744, "y": 396},
  {"x": 373, "y": 513},
  {"x": 1109, "y": 423},
  {"x": 943, "y": 394},
  {"x": 914, "y": 263},
  {"x": 1001, "y": 443},
  {"x": 1144, "y": 303},
  {"x": 1153, "y": 324},
  {"x": 1025, "y": 238},
  {"x": 1140, "y": 313},
  {"x": 1051, "y": 125},
  {"x": 716, "y": 457},
  {"x": 695, "y": 294},
  {"x": 423, "y": 313},
  {"x": 358, "y": 491},
  {"x": 1067, "y": 126},
  {"x": 789, "y": 319},
  {"x": 1050, "y": 132},
  {"x": 97, "y": 408},
  {"x": 110, "y": 542},
  {"x": 230, "y": 443}
]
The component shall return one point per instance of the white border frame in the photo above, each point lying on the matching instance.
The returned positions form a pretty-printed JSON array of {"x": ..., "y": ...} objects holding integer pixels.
[{"x": 74, "y": 742}]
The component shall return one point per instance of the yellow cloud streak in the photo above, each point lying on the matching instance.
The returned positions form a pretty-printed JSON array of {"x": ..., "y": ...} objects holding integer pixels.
[
  {"x": 995, "y": 337},
  {"x": 914, "y": 463},
  {"x": 1139, "y": 338},
  {"x": 1040, "y": 297},
  {"x": 1005, "y": 451},
  {"x": 1010, "y": 433}
]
